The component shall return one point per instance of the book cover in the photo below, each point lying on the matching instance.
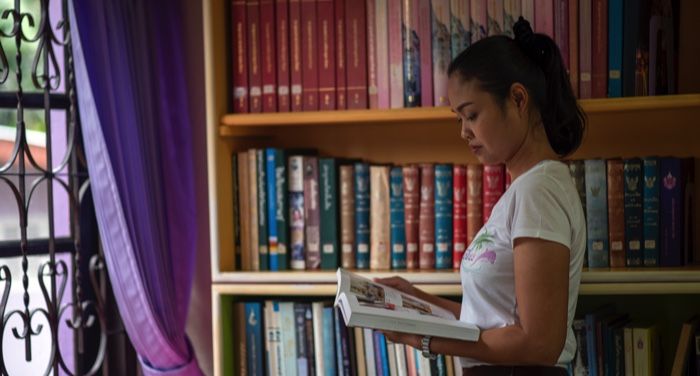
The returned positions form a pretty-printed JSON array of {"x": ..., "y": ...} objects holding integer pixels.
[
  {"x": 380, "y": 234},
  {"x": 616, "y": 212},
  {"x": 650, "y": 251},
  {"x": 328, "y": 342},
  {"x": 309, "y": 55},
  {"x": 494, "y": 11},
  {"x": 329, "y": 213},
  {"x": 459, "y": 214},
  {"x": 597, "y": 213},
  {"x": 326, "y": 54},
  {"x": 615, "y": 42},
  {"x": 295, "y": 53},
  {"x": 411, "y": 54},
  {"x": 239, "y": 28},
  {"x": 263, "y": 246},
  {"x": 268, "y": 50},
  {"x": 381, "y": 26},
  {"x": 394, "y": 22},
  {"x": 312, "y": 214},
  {"x": 426, "y": 217},
  {"x": 425, "y": 47},
  {"x": 288, "y": 338},
  {"x": 411, "y": 197},
  {"x": 254, "y": 338},
  {"x": 493, "y": 187},
  {"x": 347, "y": 216},
  {"x": 302, "y": 353},
  {"x": 460, "y": 27},
  {"x": 443, "y": 216},
  {"x": 340, "y": 56},
  {"x": 599, "y": 48},
  {"x": 310, "y": 340},
  {"x": 356, "y": 58},
  {"x": 254, "y": 55},
  {"x": 318, "y": 330},
  {"x": 362, "y": 215},
  {"x": 441, "y": 50},
  {"x": 283, "y": 74},
  {"x": 297, "y": 237},
  {"x": 344, "y": 363},
  {"x": 397, "y": 219},
  {"x": 475, "y": 207},
  {"x": 271, "y": 184},
  {"x": 634, "y": 227}
]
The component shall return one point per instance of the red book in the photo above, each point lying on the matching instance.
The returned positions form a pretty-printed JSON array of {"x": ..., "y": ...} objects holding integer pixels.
[
  {"x": 459, "y": 213},
  {"x": 268, "y": 48},
  {"x": 340, "y": 67},
  {"x": 585, "y": 58},
  {"x": 309, "y": 55},
  {"x": 382, "y": 26},
  {"x": 356, "y": 47},
  {"x": 282, "y": 13},
  {"x": 326, "y": 54},
  {"x": 544, "y": 17},
  {"x": 599, "y": 52},
  {"x": 426, "y": 217},
  {"x": 475, "y": 206},
  {"x": 561, "y": 29},
  {"x": 396, "y": 73},
  {"x": 573, "y": 46},
  {"x": 372, "y": 78},
  {"x": 240, "y": 58},
  {"x": 616, "y": 212},
  {"x": 254, "y": 73},
  {"x": 295, "y": 55},
  {"x": 493, "y": 187},
  {"x": 425, "y": 38},
  {"x": 411, "y": 205}
]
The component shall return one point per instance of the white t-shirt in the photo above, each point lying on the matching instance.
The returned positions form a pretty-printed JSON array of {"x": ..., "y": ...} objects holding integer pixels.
[{"x": 541, "y": 203}]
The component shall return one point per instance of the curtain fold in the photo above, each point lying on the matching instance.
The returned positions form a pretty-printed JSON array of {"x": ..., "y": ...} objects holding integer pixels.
[{"x": 132, "y": 100}]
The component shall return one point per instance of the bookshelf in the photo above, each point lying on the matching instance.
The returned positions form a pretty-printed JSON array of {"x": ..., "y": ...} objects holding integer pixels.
[{"x": 623, "y": 127}]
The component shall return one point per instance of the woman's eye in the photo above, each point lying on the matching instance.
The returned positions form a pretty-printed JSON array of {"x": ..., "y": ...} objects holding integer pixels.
[
  {"x": 459, "y": 121},
  {"x": 471, "y": 117}
]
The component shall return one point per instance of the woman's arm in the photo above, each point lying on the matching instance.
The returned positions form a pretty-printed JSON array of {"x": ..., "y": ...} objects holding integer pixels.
[{"x": 541, "y": 288}]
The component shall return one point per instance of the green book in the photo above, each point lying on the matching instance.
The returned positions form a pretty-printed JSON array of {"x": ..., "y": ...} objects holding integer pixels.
[
  {"x": 262, "y": 209},
  {"x": 329, "y": 213}
]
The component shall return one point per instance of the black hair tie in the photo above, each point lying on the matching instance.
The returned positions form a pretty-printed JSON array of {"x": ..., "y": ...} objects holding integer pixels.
[{"x": 527, "y": 40}]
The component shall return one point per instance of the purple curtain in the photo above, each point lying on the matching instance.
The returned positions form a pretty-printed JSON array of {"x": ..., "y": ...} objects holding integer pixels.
[{"x": 132, "y": 97}]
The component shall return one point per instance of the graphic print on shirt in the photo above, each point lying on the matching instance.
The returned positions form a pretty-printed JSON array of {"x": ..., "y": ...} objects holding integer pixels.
[{"x": 479, "y": 252}]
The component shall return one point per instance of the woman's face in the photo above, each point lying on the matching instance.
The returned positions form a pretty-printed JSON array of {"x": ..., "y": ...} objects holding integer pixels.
[{"x": 494, "y": 133}]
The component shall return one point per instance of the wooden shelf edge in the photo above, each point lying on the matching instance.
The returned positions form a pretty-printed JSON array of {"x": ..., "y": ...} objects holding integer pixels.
[{"x": 230, "y": 122}]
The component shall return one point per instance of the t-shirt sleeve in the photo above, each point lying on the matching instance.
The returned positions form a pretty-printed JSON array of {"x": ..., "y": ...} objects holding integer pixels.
[{"x": 540, "y": 211}]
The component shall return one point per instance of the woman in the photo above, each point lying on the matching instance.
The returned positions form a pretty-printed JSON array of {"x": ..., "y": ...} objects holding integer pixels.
[{"x": 514, "y": 103}]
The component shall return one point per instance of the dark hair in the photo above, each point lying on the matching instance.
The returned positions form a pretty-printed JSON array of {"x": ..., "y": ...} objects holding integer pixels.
[{"x": 534, "y": 60}]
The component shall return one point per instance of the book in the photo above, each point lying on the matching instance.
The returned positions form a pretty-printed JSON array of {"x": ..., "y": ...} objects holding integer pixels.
[
  {"x": 650, "y": 220},
  {"x": 596, "y": 217},
  {"x": 380, "y": 234},
  {"x": 340, "y": 67},
  {"x": 296, "y": 213},
  {"x": 240, "y": 57},
  {"x": 356, "y": 56},
  {"x": 329, "y": 213},
  {"x": 362, "y": 215},
  {"x": 309, "y": 57},
  {"x": 254, "y": 65},
  {"x": 261, "y": 161},
  {"x": 460, "y": 27},
  {"x": 633, "y": 211},
  {"x": 367, "y": 304},
  {"x": 599, "y": 48},
  {"x": 381, "y": 26},
  {"x": 411, "y": 54},
  {"x": 326, "y": 54},
  {"x": 372, "y": 77},
  {"x": 441, "y": 50},
  {"x": 459, "y": 214},
  {"x": 269, "y": 59},
  {"x": 494, "y": 9},
  {"x": 282, "y": 29},
  {"x": 347, "y": 216},
  {"x": 394, "y": 24},
  {"x": 397, "y": 219},
  {"x": 411, "y": 202},
  {"x": 443, "y": 216},
  {"x": 616, "y": 212},
  {"x": 425, "y": 47},
  {"x": 312, "y": 214},
  {"x": 426, "y": 217},
  {"x": 295, "y": 41}
]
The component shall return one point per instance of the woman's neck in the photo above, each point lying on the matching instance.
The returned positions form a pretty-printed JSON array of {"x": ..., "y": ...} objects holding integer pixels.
[{"x": 532, "y": 151}]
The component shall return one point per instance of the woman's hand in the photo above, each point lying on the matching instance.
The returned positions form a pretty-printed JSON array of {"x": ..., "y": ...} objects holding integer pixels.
[
  {"x": 404, "y": 338},
  {"x": 398, "y": 283}
]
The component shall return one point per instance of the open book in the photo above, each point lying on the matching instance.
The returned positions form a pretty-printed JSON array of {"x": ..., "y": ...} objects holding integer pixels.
[{"x": 368, "y": 304}]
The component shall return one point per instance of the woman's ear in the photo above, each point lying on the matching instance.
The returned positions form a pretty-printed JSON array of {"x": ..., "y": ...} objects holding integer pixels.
[{"x": 520, "y": 97}]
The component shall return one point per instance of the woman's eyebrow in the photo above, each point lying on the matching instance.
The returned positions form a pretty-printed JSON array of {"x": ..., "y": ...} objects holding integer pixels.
[{"x": 461, "y": 106}]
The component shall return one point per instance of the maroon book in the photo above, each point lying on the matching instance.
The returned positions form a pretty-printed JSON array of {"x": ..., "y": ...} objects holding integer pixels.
[
  {"x": 240, "y": 57},
  {"x": 411, "y": 205},
  {"x": 254, "y": 68},
  {"x": 309, "y": 55},
  {"x": 297, "y": 100},
  {"x": 561, "y": 29},
  {"x": 426, "y": 217},
  {"x": 599, "y": 49},
  {"x": 340, "y": 60},
  {"x": 282, "y": 14},
  {"x": 326, "y": 54},
  {"x": 459, "y": 213},
  {"x": 425, "y": 37},
  {"x": 268, "y": 49},
  {"x": 616, "y": 212},
  {"x": 493, "y": 187},
  {"x": 356, "y": 59}
]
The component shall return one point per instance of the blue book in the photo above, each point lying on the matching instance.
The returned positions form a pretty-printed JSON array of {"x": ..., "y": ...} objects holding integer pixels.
[
  {"x": 671, "y": 212},
  {"x": 262, "y": 209},
  {"x": 615, "y": 25},
  {"x": 271, "y": 209},
  {"x": 329, "y": 361},
  {"x": 397, "y": 219},
  {"x": 634, "y": 228},
  {"x": 650, "y": 251},
  {"x": 597, "y": 213},
  {"x": 288, "y": 338},
  {"x": 362, "y": 206},
  {"x": 411, "y": 63},
  {"x": 380, "y": 353},
  {"x": 443, "y": 216},
  {"x": 342, "y": 345},
  {"x": 302, "y": 356},
  {"x": 296, "y": 213},
  {"x": 592, "y": 320},
  {"x": 441, "y": 366},
  {"x": 254, "y": 338},
  {"x": 281, "y": 204}
]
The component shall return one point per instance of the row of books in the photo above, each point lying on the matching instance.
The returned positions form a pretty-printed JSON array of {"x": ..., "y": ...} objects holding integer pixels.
[
  {"x": 300, "y": 211},
  {"x": 291, "y": 55},
  {"x": 302, "y": 338},
  {"x": 610, "y": 343}
]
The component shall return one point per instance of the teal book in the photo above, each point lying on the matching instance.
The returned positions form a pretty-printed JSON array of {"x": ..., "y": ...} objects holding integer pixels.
[
  {"x": 329, "y": 213},
  {"x": 634, "y": 230},
  {"x": 281, "y": 209},
  {"x": 362, "y": 204},
  {"x": 397, "y": 219},
  {"x": 443, "y": 216},
  {"x": 262, "y": 209},
  {"x": 615, "y": 26},
  {"x": 597, "y": 213}
]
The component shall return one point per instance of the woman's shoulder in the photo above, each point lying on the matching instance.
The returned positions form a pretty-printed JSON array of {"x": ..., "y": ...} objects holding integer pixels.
[{"x": 547, "y": 176}]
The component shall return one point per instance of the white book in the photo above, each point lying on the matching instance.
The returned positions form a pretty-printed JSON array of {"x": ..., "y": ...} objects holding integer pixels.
[
  {"x": 369, "y": 352},
  {"x": 317, "y": 309},
  {"x": 288, "y": 338},
  {"x": 368, "y": 304}
]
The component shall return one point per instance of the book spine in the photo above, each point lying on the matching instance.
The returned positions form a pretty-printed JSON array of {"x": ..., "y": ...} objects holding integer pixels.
[
  {"x": 596, "y": 213},
  {"x": 616, "y": 212},
  {"x": 254, "y": 64},
  {"x": 342, "y": 344},
  {"x": 300, "y": 337},
  {"x": 282, "y": 28},
  {"x": 585, "y": 49},
  {"x": 615, "y": 23},
  {"x": 254, "y": 339},
  {"x": 318, "y": 332},
  {"x": 411, "y": 54},
  {"x": 356, "y": 47},
  {"x": 328, "y": 342},
  {"x": 362, "y": 215},
  {"x": 309, "y": 50},
  {"x": 411, "y": 197},
  {"x": 312, "y": 214},
  {"x": 670, "y": 212},
  {"x": 641, "y": 73},
  {"x": 425, "y": 50},
  {"x": 396, "y": 89},
  {"x": 380, "y": 234},
  {"x": 245, "y": 215},
  {"x": 426, "y": 217},
  {"x": 329, "y": 213},
  {"x": 574, "y": 46},
  {"x": 634, "y": 228},
  {"x": 340, "y": 56},
  {"x": 651, "y": 211},
  {"x": 441, "y": 50},
  {"x": 544, "y": 17},
  {"x": 269, "y": 58},
  {"x": 240, "y": 57},
  {"x": 493, "y": 187},
  {"x": 239, "y": 333},
  {"x": 381, "y": 26},
  {"x": 309, "y": 335},
  {"x": 263, "y": 246},
  {"x": 511, "y": 12},
  {"x": 326, "y": 55},
  {"x": 347, "y": 216},
  {"x": 372, "y": 78},
  {"x": 254, "y": 204},
  {"x": 282, "y": 212},
  {"x": 277, "y": 340},
  {"x": 630, "y": 34},
  {"x": 599, "y": 40},
  {"x": 296, "y": 213},
  {"x": 397, "y": 219},
  {"x": 236, "y": 208},
  {"x": 295, "y": 55},
  {"x": 459, "y": 214},
  {"x": 272, "y": 235},
  {"x": 561, "y": 29},
  {"x": 475, "y": 207},
  {"x": 287, "y": 338},
  {"x": 494, "y": 11},
  {"x": 443, "y": 216}
]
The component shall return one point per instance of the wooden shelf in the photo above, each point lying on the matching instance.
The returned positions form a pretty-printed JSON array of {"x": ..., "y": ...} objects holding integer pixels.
[{"x": 231, "y": 122}]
